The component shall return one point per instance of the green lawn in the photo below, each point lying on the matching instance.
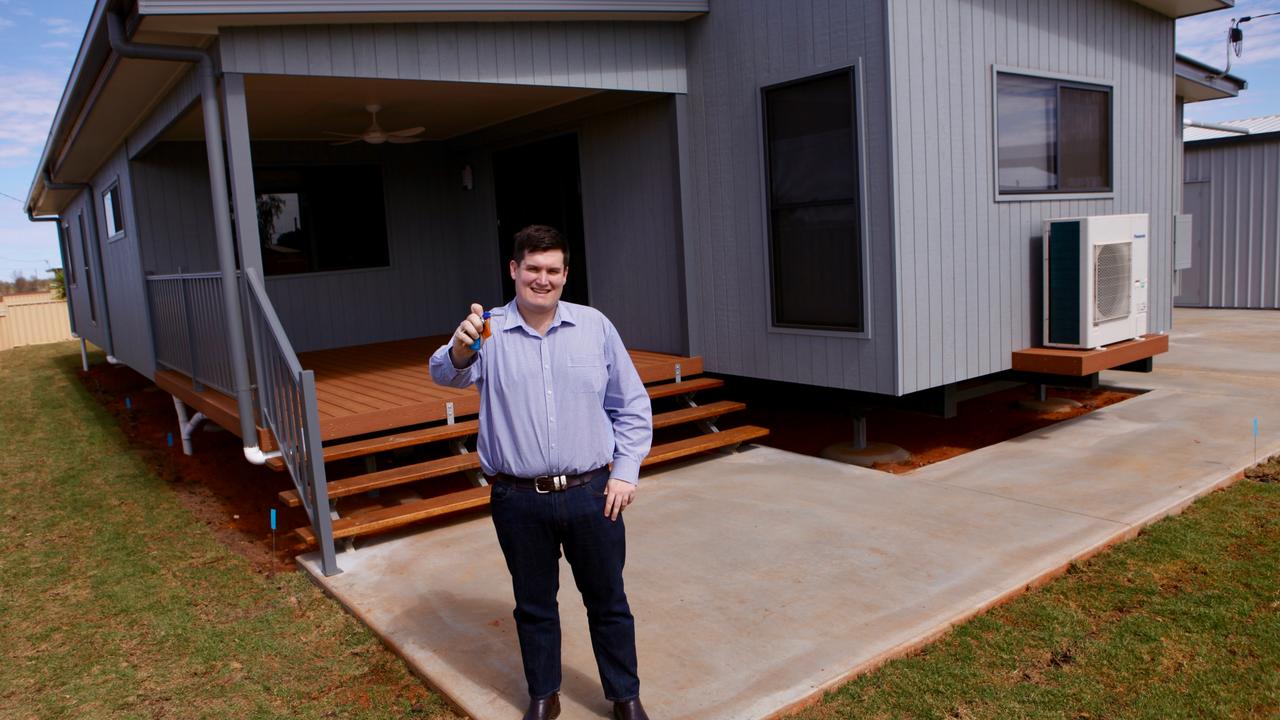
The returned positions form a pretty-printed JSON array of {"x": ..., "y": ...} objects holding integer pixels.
[{"x": 115, "y": 602}]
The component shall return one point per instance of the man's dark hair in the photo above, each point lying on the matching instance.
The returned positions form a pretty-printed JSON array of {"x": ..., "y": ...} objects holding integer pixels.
[{"x": 536, "y": 239}]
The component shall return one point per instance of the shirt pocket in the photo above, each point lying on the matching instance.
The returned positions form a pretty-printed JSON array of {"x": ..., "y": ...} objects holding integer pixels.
[{"x": 587, "y": 373}]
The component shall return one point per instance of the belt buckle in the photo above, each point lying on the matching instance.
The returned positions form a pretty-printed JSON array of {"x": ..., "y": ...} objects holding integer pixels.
[{"x": 558, "y": 483}]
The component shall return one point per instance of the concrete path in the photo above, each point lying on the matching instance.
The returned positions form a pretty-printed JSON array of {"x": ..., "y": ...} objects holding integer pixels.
[{"x": 762, "y": 578}]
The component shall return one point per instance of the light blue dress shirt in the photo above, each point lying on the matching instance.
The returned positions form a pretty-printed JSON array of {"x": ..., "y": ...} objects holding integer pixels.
[{"x": 563, "y": 403}]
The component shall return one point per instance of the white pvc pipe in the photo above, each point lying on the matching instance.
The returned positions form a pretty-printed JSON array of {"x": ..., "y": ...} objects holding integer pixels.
[
  {"x": 255, "y": 455},
  {"x": 186, "y": 427},
  {"x": 84, "y": 355}
]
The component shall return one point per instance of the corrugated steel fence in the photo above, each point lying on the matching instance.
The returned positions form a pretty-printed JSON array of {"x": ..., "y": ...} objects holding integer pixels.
[{"x": 33, "y": 320}]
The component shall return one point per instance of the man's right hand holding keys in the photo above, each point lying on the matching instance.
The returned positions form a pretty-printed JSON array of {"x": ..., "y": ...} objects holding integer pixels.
[{"x": 465, "y": 337}]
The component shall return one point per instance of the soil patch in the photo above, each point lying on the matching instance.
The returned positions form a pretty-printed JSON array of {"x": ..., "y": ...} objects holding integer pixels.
[
  {"x": 229, "y": 495},
  {"x": 806, "y": 420}
]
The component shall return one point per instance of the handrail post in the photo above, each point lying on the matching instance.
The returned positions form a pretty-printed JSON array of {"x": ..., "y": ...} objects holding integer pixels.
[
  {"x": 191, "y": 337},
  {"x": 316, "y": 476}
]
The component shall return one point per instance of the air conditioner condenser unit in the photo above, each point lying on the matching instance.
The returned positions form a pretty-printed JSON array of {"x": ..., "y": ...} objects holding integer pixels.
[{"x": 1095, "y": 280}]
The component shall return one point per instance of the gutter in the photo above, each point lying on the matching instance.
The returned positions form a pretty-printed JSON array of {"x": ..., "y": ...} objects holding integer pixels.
[
  {"x": 1234, "y": 129},
  {"x": 211, "y": 107},
  {"x": 97, "y": 257}
]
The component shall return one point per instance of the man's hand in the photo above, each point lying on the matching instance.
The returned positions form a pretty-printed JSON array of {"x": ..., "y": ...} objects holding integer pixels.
[
  {"x": 618, "y": 494},
  {"x": 467, "y": 333}
]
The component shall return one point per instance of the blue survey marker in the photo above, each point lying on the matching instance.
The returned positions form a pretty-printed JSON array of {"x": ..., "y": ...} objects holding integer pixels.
[
  {"x": 128, "y": 403},
  {"x": 169, "y": 437},
  {"x": 273, "y": 518},
  {"x": 1255, "y": 427}
]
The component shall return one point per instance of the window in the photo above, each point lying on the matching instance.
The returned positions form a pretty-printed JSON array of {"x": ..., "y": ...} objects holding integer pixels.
[
  {"x": 815, "y": 238},
  {"x": 111, "y": 212},
  {"x": 71, "y": 258},
  {"x": 1054, "y": 135},
  {"x": 88, "y": 278},
  {"x": 321, "y": 218}
]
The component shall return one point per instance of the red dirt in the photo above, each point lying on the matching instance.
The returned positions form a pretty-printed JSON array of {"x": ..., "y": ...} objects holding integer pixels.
[{"x": 234, "y": 498}]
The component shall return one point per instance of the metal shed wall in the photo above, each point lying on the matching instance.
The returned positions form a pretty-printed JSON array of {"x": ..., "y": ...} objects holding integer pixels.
[
  {"x": 734, "y": 51},
  {"x": 78, "y": 291},
  {"x": 1233, "y": 191},
  {"x": 968, "y": 267},
  {"x": 607, "y": 55},
  {"x": 174, "y": 209},
  {"x": 123, "y": 284}
]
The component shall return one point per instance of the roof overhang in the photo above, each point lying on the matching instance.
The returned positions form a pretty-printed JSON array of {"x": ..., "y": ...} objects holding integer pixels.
[
  {"x": 1186, "y": 8},
  {"x": 107, "y": 97},
  {"x": 206, "y": 16},
  {"x": 1195, "y": 81}
]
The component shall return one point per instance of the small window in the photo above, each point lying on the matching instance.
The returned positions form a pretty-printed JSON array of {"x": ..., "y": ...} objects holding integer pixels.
[
  {"x": 815, "y": 238},
  {"x": 71, "y": 257},
  {"x": 88, "y": 276},
  {"x": 321, "y": 218},
  {"x": 111, "y": 211},
  {"x": 1054, "y": 135}
]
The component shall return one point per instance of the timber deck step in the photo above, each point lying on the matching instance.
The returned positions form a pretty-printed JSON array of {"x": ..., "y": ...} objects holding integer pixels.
[
  {"x": 710, "y": 411},
  {"x": 396, "y": 516},
  {"x": 394, "y": 476},
  {"x": 400, "y": 515},
  {"x": 467, "y": 428}
]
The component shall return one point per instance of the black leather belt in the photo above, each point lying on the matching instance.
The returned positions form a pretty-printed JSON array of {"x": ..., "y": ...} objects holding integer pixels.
[{"x": 549, "y": 483}]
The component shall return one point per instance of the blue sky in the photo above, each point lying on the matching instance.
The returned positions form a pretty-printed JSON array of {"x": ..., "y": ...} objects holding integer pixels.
[{"x": 39, "y": 40}]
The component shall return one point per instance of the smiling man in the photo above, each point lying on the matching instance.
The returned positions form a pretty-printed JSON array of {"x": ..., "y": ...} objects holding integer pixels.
[{"x": 564, "y": 425}]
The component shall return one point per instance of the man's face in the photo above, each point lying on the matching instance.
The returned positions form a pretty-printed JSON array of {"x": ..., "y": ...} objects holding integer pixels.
[{"x": 539, "y": 279}]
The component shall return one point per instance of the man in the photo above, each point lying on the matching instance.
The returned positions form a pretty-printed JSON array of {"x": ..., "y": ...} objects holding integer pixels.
[{"x": 560, "y": 400}]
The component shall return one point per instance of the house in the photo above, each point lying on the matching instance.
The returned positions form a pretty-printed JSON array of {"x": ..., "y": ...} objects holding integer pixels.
[
  {"x": 842, "y": 193},
  {"x": 1230, "y": 189}
]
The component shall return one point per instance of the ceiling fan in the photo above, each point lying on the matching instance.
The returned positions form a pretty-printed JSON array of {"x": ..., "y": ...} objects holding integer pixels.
[{"x": 375, "y": 135}]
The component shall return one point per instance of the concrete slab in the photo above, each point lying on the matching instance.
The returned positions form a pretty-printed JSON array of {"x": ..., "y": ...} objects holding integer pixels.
[{"x": 761, "y": 578}]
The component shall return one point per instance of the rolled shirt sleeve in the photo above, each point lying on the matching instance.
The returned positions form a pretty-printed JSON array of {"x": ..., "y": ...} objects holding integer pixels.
[{"x": 444, "y": 372}]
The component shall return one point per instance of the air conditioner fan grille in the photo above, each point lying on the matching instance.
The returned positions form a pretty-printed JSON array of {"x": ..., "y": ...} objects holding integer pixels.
[{"x": 1112, "y": 281}]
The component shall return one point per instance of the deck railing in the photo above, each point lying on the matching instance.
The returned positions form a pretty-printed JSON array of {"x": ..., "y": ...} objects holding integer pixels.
[
  {"x": 287, "y": 403},
  {"x": 190, "y": 329}
]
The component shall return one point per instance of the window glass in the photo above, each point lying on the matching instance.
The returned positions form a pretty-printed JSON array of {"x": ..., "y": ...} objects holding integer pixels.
[
  {"x": 111, "y": 211},
  {"x": 1054, "y": 136},
  {"x": 814, "y": 213},
  {"x": 321, "y": 218}
]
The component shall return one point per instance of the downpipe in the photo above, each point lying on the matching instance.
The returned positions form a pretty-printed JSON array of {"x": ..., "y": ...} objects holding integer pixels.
[
  {"x": 187, "y": 426},
  {"x": 211, "y": 107}
]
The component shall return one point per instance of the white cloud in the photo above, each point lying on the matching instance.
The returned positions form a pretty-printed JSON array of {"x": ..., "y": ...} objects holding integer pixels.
[
  {"x": 5, "y": 23},
  {"x": 26, "y": 12},
  {"x": 1204, "y": 37},
  {"x": 56, "y": 44},
  {"x": 28, "y": 101},
  {"x": 59, "y": 26}
]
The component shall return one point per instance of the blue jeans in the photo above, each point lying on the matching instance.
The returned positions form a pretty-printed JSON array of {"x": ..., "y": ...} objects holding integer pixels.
[{"x": 532, "y": 528}]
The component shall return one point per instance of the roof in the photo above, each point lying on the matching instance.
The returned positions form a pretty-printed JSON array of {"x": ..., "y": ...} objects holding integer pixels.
[
  {"x": 1253, "y": 127},
  {"x": 1196, "y": 81}
]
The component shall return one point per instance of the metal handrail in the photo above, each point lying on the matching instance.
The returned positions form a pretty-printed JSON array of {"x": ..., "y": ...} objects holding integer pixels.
[{"x": 287, "y": 404}]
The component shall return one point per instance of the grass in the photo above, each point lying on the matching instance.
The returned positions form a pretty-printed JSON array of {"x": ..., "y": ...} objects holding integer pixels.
[
  {"x": 1182, "y": 622},
  {"x": 117, "y": 603}
]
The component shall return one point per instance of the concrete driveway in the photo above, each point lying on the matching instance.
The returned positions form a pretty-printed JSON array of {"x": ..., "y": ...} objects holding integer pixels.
[{"x": 762, "y": 578}]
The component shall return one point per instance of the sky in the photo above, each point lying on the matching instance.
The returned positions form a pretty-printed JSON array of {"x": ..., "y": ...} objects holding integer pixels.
[{"x": 39, "y": 40}]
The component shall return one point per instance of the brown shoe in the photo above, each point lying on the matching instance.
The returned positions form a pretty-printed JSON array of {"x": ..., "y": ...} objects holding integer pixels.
[
  {"x": 547, "y": 708},
  {"x": 629, "y": 710}
]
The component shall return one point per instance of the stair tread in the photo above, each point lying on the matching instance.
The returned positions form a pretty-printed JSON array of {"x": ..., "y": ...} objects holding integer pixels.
[
  {"x": 687, "y": 386},
  {"x": 701, "y": 443},
  {"x": 404, "y": 514},
  {"x": 393, "y": 476},
  {"x": 701, "y": 412}
]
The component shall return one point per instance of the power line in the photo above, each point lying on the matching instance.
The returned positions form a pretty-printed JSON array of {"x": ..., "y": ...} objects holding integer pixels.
[{"x": 11, "y": 197}]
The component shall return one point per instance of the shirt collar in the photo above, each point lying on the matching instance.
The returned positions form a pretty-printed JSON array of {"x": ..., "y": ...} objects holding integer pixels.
[{"x": 564, "y": 314}]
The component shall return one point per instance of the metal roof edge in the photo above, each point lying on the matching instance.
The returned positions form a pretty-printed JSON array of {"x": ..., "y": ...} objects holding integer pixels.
[{"x": 257, "y": 7}]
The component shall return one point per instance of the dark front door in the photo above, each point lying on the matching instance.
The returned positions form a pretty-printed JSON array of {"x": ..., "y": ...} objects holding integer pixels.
[{"x": 538, "y": 184}]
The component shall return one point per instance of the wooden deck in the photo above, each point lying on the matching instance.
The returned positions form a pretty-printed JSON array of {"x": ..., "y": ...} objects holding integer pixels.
[
  {"x": 1079, "y": 363},
  {"x": 375, "y": 388}
]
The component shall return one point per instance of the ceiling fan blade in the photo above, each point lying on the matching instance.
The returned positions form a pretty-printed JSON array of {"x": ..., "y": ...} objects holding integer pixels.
[
  {"x": 402, "y": 140},
  {"x": 407, "y": 132},
  {"x": 348, "y": 135},
  {"x": 355, "y": 139}
]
